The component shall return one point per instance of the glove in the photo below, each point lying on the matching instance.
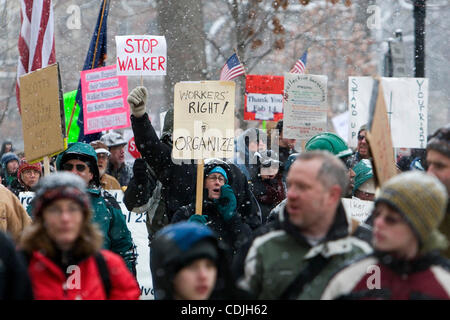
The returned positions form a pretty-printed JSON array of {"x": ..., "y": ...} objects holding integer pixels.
[
  {"x": 202, "y": 219},
  {"x": 136, "y": 99},
  {"x": 227, "y": 203}
]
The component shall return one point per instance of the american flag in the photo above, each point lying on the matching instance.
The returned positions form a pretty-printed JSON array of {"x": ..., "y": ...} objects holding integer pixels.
[
  {"x": 36, "y": 39},
  {"x": 300, "y": 65},
  {"x": 232, "y": 68}
]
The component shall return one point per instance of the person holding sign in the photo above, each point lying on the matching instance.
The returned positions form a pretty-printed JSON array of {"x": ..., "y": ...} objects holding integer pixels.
[
  {"x": 63, "y": 247},
  {"x": 406, "y": 263},
  {"x": 178, "y": 180},
  {"x": 81, "y": 159},
  {"x": 219, "y": 209}
]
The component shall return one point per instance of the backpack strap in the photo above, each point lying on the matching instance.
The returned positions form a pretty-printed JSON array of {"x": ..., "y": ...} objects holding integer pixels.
[
  {"x": 317, "y": 264},
  {"x": 104, "y": 273}
]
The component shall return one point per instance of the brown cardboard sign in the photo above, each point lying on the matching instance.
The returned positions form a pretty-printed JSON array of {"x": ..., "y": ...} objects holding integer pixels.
[
  {"x": 379, "y": 138},
  {"x": 41, "y": 102}
]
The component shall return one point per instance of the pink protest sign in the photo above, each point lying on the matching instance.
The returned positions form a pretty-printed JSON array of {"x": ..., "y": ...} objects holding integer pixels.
[{"x": 105, "y": 104}]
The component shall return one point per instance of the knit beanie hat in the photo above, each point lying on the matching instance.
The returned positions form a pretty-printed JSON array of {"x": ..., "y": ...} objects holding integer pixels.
[
  {"x": 220, "y": 170},
  {"x": 363, "y": 172},
  {"x": 24, "y": 165},
  {"x": 60, "y": 185},
  {"x": 420, "y": 198},
  {"x": 9, "y": 156}
]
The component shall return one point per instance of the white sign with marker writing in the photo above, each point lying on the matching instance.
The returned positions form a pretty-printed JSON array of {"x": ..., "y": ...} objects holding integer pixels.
[{"x": 406, "y": 102}]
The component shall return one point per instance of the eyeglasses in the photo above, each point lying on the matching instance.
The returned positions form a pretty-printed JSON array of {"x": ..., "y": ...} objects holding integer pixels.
[
  {"x": 31, "y": 172},
  {"x": 389, "y": 219},
  {"x": 69, "y": 166},
  {"x": 218, "y": 177},
  {"x": 360, "y": 137}
]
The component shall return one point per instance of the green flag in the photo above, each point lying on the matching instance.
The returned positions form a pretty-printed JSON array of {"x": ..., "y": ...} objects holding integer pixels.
[{"x": 69, "y": 101}]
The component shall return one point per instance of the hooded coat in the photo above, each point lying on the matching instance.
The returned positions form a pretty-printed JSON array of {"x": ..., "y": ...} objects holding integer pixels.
[
  {"x": 246, "y": 159},
  {"x": 107, "y": 212},
  {"x": 234, "y": 233},
  {"x": 172, "y": 249}
]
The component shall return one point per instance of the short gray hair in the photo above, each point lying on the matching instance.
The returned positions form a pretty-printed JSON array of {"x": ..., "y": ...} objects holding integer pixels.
[{"x": 332, "y": 171}]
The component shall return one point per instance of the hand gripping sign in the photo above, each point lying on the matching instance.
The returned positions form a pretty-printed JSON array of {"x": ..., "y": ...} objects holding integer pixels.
[{"x": 141, "y": 55}]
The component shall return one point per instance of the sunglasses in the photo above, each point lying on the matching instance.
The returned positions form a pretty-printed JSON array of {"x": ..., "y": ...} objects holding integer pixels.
[
  {"x": 389, "y": 219},
  {"x": 360, "y": 137},
  {"x": 69, "y": 166}
]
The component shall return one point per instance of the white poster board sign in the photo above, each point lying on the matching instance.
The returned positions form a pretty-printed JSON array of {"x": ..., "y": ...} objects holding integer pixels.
[
  {"x": 406, "y": 102},
  {"x": 358, "y": 209},
  {"x": 305, "y": 109},
  {"x": 340, "y": 124},
  {"x": 141, "y": 55},
  {"x": 203, "y": 120},
  {"x": 136, "y": 225}
]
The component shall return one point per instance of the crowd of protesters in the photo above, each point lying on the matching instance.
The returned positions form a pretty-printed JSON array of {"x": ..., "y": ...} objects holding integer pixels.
[{"x": 272, "y": 224}]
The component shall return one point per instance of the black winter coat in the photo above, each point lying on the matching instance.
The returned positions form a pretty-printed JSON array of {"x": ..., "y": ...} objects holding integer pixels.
[
  {"x": 15, "y": 283},
  {"x": 233, "y": 233}
]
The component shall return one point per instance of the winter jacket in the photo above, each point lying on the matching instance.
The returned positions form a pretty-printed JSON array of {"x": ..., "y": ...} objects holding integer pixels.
[
  {"x": 107, "y": 212},
  {"x": 109, "y": 182},
  {"x": 16, "y": 187},
  {"x": 380, "y": 276},
  {"x": 233, "y": 233},
  {"x": 122, "y": 174},
  {"x": 179, "y": 180},
  {"x": 245, "y": 159},
  {"x": 269, "y": 193},
  {"x": 13, "y": 217},
  {"x": 170, "y": 251},
  {"x": 52, "y": 280},
  {"x": 14, "y": 280},
  {"x": 277, "y": 257},
  {"x": 444, "y": 228},
  {"x": 111, "y": 221}
]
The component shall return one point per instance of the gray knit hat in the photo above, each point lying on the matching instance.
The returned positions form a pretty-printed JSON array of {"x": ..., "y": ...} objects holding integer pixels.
[{"x": 420, "y": 198}]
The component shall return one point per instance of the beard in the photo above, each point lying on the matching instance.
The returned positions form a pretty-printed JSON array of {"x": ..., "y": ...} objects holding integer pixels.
[{"x": 101, "y": 171}]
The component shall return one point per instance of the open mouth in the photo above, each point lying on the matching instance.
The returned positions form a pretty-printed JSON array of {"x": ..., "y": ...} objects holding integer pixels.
[{"x": 216, "y": 190}]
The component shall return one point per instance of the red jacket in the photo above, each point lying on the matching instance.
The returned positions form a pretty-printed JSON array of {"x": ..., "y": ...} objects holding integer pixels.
[{"x": 83, "y": 282}]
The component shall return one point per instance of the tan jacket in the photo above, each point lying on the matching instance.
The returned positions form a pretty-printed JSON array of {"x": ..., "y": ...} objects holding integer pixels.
[
  {"x": 108, "y": 182},
  {"x": 13, "y": 217}
]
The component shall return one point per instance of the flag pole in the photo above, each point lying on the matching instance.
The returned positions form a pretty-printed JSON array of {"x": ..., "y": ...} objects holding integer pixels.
[
  {"x": 92, "y": 65},
  {"x": 235, "y": 51}
]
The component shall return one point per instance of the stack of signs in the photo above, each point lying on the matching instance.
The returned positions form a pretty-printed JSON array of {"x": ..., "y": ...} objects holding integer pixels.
[
  {"x": 406, "y": 102},
  {"x": 305, "y": 109},
  {"x": 203, "y": 120},
  {"x": 263, "y": 97},
  {"x": 105, "y": 104}
]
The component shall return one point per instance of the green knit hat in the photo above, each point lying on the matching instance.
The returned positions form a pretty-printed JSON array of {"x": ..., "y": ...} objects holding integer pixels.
[
  {"x": 363, "y": 172},
  {"x": 420, "y": 198}
]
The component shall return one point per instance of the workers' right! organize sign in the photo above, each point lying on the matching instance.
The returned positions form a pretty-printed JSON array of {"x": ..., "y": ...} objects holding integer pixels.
[{"x": 203, "y": 120}]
